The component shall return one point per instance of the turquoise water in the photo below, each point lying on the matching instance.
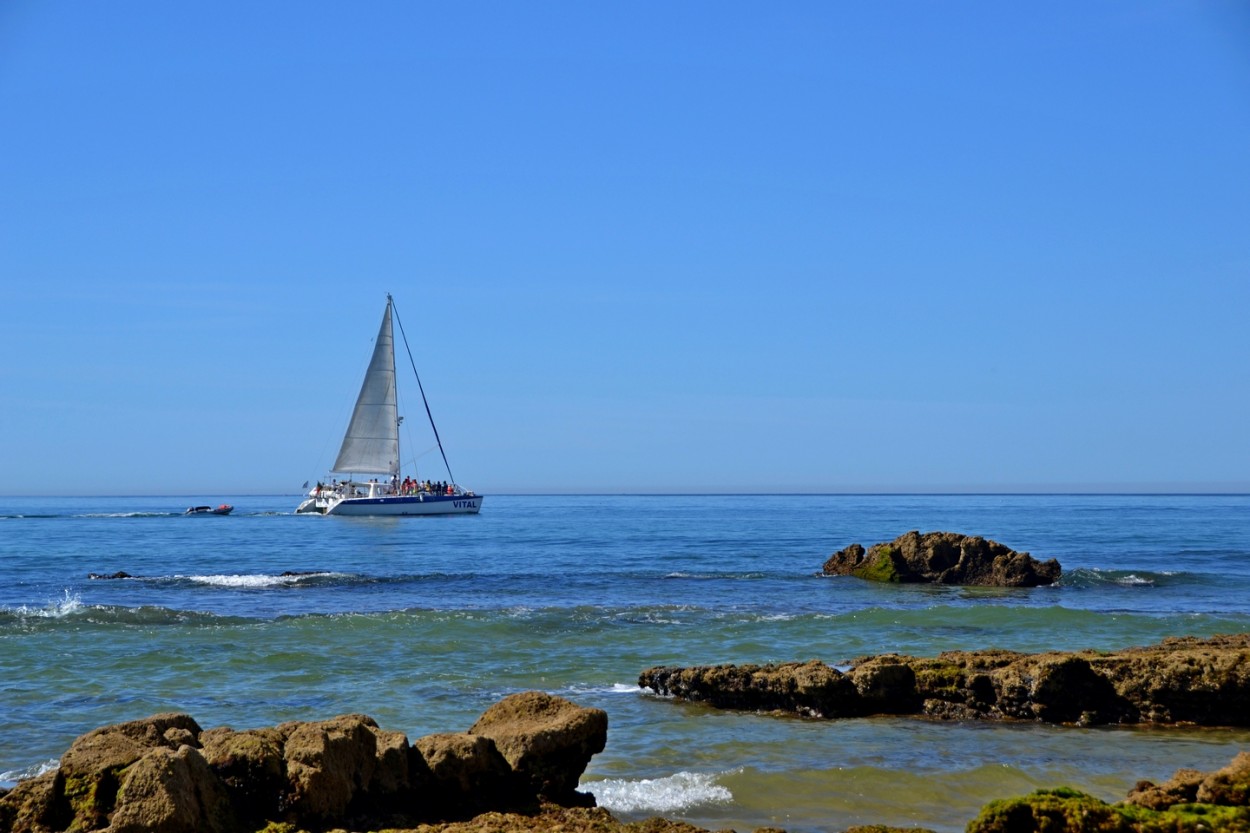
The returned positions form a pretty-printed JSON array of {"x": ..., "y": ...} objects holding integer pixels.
[{"x": 424, "y": 622}]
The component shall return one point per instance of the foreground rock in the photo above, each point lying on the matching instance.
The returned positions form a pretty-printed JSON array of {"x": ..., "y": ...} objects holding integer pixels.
[
  {"x": 1181, "y": 680},
  {"x": 164, "y": 774},
  {"x": 943, "y": 558},
  {"x": 1190, "y": 801}
]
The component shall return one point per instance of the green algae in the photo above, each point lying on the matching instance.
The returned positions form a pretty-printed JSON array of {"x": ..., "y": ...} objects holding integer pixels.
[
  {"x": 1066, "y": 810},
  {"x": 90, "y": 796},
  {"x": 879, "y": 567},
  {"x": 942, "y": 680}
]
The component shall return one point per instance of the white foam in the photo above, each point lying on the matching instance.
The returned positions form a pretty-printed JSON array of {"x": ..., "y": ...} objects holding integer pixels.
[
  {"x": 1134, "y": 580},
  {"x": 614, "y": 688},
  {"x": 67, "y": 605},
  {"x": 249, "y": 581},
  {"x": 33, "y": 771},
  {"x": 673, "y": 794}
]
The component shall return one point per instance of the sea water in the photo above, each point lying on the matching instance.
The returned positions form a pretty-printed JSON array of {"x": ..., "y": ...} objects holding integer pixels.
[{"x": 263, "y": 616}]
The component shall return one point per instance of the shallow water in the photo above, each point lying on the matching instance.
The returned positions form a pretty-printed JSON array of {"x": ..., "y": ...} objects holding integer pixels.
[{"x": 424, "y": 622}]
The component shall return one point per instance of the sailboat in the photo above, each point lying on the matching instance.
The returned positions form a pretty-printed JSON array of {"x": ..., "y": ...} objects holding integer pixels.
[{"x": 371, "y": 447}]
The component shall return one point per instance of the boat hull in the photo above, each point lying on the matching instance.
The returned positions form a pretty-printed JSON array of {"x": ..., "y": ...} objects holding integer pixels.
[{"x": 394, "y": 505}]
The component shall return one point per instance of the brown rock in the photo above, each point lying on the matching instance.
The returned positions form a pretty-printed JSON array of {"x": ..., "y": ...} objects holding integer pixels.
[
  {"x": 943, "y": 558},
  {"x": 328, "y": 764},
  {"x": 886, "y": 685},
  {"x": 467, "y": 775},
  {"x": 1181, "y": 788},
  {"x": 251, "y": 767},
  {"x": 1229, "y": 786},
  {"x": 31, "y": 806},
  {"x": 547, "y": 740},
  {"x": 91, "y": 771},
  {"x": 164, "y": 775},
  {"x": 1203, "y": 681},
  {"x": 810, "y": 688},
  {"x": 169, "y": 791}
]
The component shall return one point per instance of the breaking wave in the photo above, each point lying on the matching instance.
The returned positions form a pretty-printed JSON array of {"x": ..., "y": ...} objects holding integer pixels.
[
  {"x": 286, "y": 579},
  {"x": 673, "y": 794}
]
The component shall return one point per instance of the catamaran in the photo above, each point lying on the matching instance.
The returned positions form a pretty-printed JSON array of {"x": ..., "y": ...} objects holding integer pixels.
[{"x": 371, "y": 447}]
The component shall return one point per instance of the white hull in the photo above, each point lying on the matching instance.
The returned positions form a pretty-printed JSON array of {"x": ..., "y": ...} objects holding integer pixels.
[{"x": 393, "y": 505}]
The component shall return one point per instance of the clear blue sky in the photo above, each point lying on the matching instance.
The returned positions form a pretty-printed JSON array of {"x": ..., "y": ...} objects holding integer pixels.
[{"x": 808, "y": 246}]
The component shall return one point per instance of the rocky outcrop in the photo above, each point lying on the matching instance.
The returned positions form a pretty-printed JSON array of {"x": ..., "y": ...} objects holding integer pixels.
[
  {"x": 164, "y": 774},
  {"x": 547, "y": 740},
  {"x": 943, "y": 558},
  {"x": 1190, "y": 801},
  {"x": 1181, "y": 680}
]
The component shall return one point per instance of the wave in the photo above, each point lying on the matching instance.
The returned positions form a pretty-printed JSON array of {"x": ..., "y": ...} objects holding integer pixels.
[
  {"x": 10, "y": 777},
  {"x": 71, "y": 610},
  {"x": 122, "y": 515},
  {"x": 675, "y": 793},
  {"x": 287, "y": 578},
  {"x": 682, "y": 574},
  {"x": 67, "y": 605},
  {"x": 1085, "y": 578},
  {"x": 632, "y": 689},
  {"x": 262, "y": 580}
]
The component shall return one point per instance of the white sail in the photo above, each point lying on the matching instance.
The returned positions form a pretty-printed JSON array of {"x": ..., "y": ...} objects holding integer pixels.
[{"x": 371, "y": 445}]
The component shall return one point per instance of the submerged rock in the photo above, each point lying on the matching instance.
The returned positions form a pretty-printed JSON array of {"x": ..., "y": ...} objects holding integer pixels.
[
  {"x": 943, "y": 558},
  {"x": 1181, "y": 680},
  {"x": 164, "y": 774}
]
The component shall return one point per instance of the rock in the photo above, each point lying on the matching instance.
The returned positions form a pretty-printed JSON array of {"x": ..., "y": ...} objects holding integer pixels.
[
  {"x": 886, "y": 685},
  {"x": 168, "y": 791},
  {"x": 1189, "y": 801},
  {"x": 1059, "y": 689},
  {"x": 105, "y": 576},
  {"x": 343, "y": 768},
  {"x": 1048, "y": 811},
  {"x": 251, "y": 767},
  {"x": 810, "y": 688},
  {"x": 1202, "y": 681},
  {"x": 91, "y": 772},
  {"x": 468, "y": 775},
  {"x": 164, "y": 774},
  {"x": 31, "y": 806},
  {"x": 1229, "y": 786},
  {"x": 548, "y": 740},
  {"x": 943, "y": 558}
]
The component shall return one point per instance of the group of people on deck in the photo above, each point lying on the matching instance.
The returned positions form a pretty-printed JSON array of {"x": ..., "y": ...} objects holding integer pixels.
[{"x": 411, "y": 486}]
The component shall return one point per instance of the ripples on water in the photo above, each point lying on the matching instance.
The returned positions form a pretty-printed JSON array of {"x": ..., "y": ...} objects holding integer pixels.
[{"x": 262, "y": 616}]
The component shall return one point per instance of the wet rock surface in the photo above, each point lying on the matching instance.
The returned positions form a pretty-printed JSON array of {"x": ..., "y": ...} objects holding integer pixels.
[
  {"x": 1181, "y": 680},
  {"x": 943, "y": 558}
]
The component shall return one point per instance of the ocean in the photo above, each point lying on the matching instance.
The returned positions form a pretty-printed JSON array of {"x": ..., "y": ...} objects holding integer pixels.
[{"x": 263, "y": 616}]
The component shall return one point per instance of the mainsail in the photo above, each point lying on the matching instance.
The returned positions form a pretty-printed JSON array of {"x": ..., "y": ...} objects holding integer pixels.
[{"x": 371, "y": 445}]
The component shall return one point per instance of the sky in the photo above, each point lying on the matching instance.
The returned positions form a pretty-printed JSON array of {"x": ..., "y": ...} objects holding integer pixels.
[{"x": 636, "y": 247}]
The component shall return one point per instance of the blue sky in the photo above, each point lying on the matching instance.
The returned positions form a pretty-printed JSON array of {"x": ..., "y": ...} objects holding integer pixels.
[{"x": 708, "y": 246}]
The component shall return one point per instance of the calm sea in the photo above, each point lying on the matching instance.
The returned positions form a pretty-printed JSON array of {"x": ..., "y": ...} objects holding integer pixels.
[{"x": 424, "y": 622}]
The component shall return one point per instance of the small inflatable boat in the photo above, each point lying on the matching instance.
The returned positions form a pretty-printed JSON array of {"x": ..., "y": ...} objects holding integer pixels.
[{"x": 223, "y": 509}]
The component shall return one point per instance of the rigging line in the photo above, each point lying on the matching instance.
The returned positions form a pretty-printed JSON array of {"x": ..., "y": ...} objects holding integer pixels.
[{"x": 421, "y": 388}]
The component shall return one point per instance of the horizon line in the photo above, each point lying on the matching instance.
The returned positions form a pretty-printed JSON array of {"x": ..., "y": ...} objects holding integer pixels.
[{"x": 700, "y": 493}]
